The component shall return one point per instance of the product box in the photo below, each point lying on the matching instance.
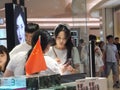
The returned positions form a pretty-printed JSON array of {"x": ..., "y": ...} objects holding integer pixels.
[{"x": 91, "y": 83}]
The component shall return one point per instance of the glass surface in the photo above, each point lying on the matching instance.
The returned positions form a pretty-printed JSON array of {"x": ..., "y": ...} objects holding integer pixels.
[
  {"x": 3, "y": 42},
  {"x": 2, "y": 33},
  {"x": 79, "y": 14},
  {"x": 74, "y": 14}
]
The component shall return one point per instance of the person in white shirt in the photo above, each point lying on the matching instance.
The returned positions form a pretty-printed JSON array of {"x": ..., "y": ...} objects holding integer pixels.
[
  {"x": 25, "y": 46},
  {"x": 63, "y": 51},
  {"x": 98, "y": 56},
  {"x": 16, "y": 66}
]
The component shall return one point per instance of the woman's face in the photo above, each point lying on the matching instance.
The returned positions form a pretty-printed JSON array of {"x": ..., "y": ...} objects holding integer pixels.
[
  {"x": 20, "y": 29},
  {"x": 61, "y": 40},
  {"x": 3, "y": 59},
  {"x": 28, "y": 38},
  {"x": 111, "y": 40}
]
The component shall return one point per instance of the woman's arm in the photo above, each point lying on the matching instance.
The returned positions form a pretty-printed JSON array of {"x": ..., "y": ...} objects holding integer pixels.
[{"x": 8, "y": 73}]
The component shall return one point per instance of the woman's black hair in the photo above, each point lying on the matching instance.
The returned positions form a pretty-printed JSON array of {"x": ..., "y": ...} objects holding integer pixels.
[
  {"x": 45, "y": 39},
  {"x": 3, "y": 49},
  {"x": 69, "y": 44}
]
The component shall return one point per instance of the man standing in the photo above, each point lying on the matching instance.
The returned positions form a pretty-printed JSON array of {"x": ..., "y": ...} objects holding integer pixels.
[
  {"x": 25, "y": 46},
  {"x": 111, "y": 54}
]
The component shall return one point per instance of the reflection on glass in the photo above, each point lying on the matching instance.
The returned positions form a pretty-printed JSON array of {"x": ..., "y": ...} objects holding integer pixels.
[
  {"x": 3, "y": 42},
  {"x": 2, "y": 33},
  {"x": 20, "y": 28}
]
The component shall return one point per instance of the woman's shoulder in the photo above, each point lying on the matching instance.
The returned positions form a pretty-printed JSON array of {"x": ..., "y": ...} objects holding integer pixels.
[
  {"x": 75, "y": 48},
  {"x": 50, "y": 51},
  {"x": 19, "y": 56},
  {"x": 49, "y": 60}
]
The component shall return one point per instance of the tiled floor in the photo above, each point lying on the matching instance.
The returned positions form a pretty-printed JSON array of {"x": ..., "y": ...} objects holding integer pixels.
[{"x": 110, "y": 84}]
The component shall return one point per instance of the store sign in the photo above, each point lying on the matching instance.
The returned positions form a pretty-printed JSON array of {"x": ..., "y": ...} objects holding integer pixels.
[{"x": 12, "y": 83}]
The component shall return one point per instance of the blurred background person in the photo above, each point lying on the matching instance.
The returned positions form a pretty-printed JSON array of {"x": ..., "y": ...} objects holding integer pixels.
[
  {"x": 81, "y": 44},
  {"x": 111, "y": 57},
  {"x": 98, "y": 56},
  {"x": 84, "y": 58},
  {"x": 101, "y": 45},
  {"x": 116, "y": 42}
]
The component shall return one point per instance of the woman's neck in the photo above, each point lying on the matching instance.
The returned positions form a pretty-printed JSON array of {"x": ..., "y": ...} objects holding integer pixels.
[
  {"x": 61, "y": 48},
  {"x": 1, "y": 68}
]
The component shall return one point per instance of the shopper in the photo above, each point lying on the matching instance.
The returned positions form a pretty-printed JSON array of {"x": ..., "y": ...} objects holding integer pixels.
[
  {"x": 111, "y": 57},
  {"x": 26, "y": 46},
  {"x": 16, "y": 65},
  {"x": 84, "y": 58},
  {"x": 98, "y": 56},
  {"x": 63, "y": 51}
]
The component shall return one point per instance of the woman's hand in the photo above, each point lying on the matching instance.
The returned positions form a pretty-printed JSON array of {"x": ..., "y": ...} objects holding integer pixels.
[
  {"x": 69, "y": 68},
  {"x": 58, "y": 60}
]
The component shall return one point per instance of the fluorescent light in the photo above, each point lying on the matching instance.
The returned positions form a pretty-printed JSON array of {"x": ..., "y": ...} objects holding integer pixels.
[{"x": 63, "y": 19}]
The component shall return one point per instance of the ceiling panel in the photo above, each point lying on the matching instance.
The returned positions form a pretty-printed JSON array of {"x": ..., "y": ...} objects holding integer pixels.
[{"x": 56, "y": 8}]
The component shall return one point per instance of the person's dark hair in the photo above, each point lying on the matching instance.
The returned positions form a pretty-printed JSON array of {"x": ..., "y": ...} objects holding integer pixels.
[
  {"x": 101, "y": 42},
  {"x": 69, "y": 44},
  {"x": 3, "y": 49},
  {"x": 31, "y": 27},
  {"x": 52, "y": 41},
  {"x": 45, "y": 39},
  {"x": 92, "y": 38},
  {"x": 81, "y": 41},
  {"x": 109, "y": 36},
  {"x": 116, "y": 38}
]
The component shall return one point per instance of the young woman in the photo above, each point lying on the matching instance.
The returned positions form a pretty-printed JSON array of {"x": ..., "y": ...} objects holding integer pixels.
[
  {"x": 64, "y": 52},
  {"x": 16, "y": 65},
  {"x": 4, "y": 58}
]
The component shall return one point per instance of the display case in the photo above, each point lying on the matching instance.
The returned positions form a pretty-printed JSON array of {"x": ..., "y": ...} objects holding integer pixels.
[{"x": 3, "y": 37}]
